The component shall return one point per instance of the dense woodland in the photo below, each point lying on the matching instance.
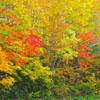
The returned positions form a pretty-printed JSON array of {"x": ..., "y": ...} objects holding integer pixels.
[{"x": 49, "y": 47}]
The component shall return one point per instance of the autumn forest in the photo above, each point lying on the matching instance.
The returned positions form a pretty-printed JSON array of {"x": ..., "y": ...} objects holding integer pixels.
[{"x": 49, "y": 48}]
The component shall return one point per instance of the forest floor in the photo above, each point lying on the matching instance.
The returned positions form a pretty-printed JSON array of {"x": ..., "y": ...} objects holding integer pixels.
[{"x": 86, "y": 97}]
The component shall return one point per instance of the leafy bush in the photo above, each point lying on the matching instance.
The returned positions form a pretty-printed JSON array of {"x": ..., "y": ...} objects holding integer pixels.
[{"x": 32, "y": 81}]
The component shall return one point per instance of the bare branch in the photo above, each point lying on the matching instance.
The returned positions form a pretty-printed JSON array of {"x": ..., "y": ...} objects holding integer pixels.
[{"x": 94, "y": 44}]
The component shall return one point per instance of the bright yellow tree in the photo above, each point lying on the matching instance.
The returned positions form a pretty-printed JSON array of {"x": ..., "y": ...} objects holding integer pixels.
[{"x": 6, "y": 68}]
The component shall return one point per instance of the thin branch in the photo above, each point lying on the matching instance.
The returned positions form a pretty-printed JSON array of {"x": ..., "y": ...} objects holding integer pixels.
[
  {"x": 54, "y": 64},
  {"x": 94, "y": 44}
]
